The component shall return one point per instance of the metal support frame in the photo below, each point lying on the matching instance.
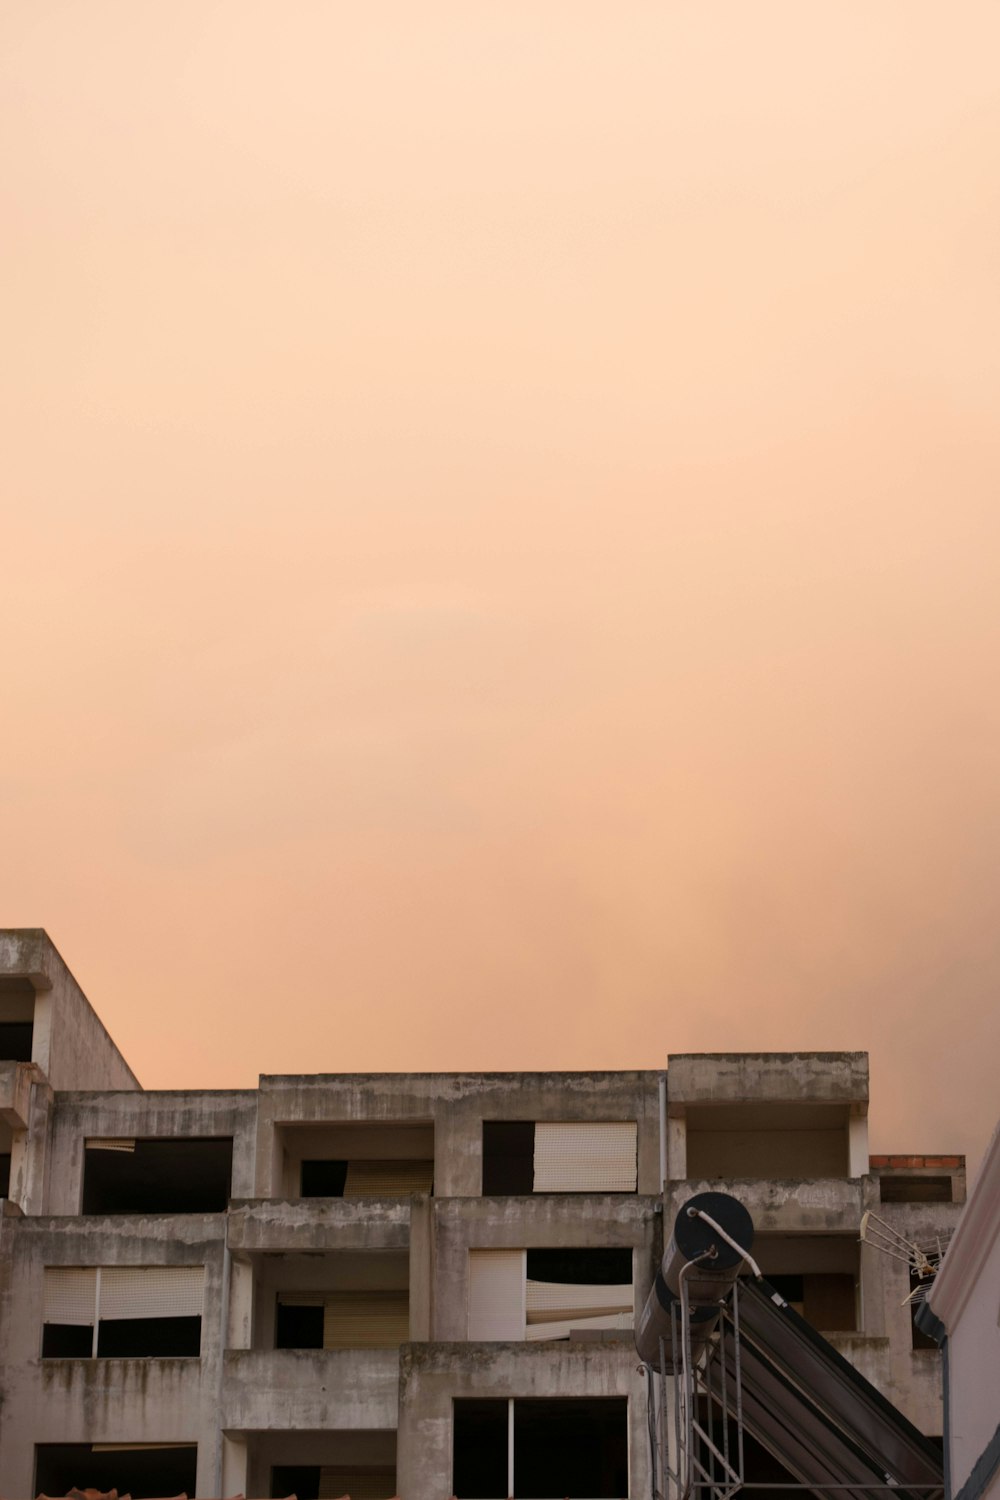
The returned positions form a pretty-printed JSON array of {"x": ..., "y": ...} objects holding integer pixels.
[{"x": 708, "y": 1462}]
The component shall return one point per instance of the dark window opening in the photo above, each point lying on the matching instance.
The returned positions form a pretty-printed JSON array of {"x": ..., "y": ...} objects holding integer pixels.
[
  {"x": 300, "y": 1480},
  {"x": 141, "y": 1472},
  {"x": 159, "y": 1177},
  {"x": 149, "y": 1338},
  {"x": 581, "y": 1267},
  {"x": 323, "y": 1179},
  {"x": 576, "y": 1448},
  {"x": 508, "y": 1157},
  {"x": 915, "y": 1189},
  {"x": 826, "y": 1299},
  {"x": 124, "y": 1338},
  {"x": 67, "y": 1341},
  {"x": 573, "y": 1448},
  {"x": 479, "y": 1450},
  {"x": 4, "y": 1174},
  {"x": 299, "y": 1328},
  {"x": 918, "y": 1338},
  {"x": 15, "y": 1040}
]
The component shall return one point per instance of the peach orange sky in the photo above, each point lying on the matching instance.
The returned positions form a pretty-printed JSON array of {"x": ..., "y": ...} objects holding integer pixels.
[{"x": 501, "y": 534}]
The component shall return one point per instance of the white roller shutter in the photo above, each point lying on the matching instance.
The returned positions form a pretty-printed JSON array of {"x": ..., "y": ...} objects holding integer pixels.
[
  {"x": 69, "y": 1295},
  {"x": 585, "y": 1157},
  {"x": 110, "y": 1143},
  {"x": 496, "y": 1294},
  {"x": 152, "y": 1291},
  {"x": 562, "y": 1329},
  {"x": 387, "y": 1179},
  {"x": 564, "y": 1299}
]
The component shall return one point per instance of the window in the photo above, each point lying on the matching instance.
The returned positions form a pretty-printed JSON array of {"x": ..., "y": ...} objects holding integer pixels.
[
  {"x": 319, "y": 1481},
  {"x": 17, "y": 1017},
  {"x": 365, "y": 1179},
  {"x": 4, "y": 1173},
  {"x": 531, "y": 1295},
  {"x": 541, "y": 1449},
  {"x": 521, "y": 1157},
  {"x": 342, "y": 1320},
  {"x": 137, "y": 1469},
  {"x": 124, "y": 1312},
  {"x": 915, "y": 1189},
  {"x": 167, "y": 1176},
  {"x": 919, "y": 1287}
]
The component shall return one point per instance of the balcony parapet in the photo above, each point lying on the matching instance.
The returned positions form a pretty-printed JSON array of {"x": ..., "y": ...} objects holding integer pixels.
[
  {"x": 822, "y": 1205},
  {"x": 261, "y": 1225},
  {"x": 283, "y": 1390}
]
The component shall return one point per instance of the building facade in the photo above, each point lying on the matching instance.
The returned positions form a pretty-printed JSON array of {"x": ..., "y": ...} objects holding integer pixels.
[{"x": 421, "y": 1284}]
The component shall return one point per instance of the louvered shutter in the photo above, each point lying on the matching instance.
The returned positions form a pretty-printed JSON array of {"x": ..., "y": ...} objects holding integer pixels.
[
  {"x": 553, "y": 1308},
  {"x": 365, "y": 1320},
  {"x": 357, "y": 1484},
  {"x": 152, "y": 1291},
  {"x": 69, "y": 1295},
  {"x": 585, "y": 1157},
  {"x": 388, "y": 1179},
  {"x": 110, "y": 1143},
  {"x": 496, "y": 1294}
]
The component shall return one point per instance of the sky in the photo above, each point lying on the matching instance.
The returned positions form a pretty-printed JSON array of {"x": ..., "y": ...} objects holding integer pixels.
[{"x": 500, "y": 533}]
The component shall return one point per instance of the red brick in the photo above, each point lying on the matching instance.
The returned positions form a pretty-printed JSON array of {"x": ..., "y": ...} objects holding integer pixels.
[{"x": 878, "y": 1161}]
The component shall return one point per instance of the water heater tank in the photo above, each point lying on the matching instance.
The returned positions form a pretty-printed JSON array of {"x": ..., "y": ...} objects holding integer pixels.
[{"x": 708, "y": 1281}]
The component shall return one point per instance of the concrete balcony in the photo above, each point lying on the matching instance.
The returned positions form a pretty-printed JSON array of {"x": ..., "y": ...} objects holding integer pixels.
[
  {"x": 303, "y": 1225},
  {"x": 320, "y": 1389},
  {"x": 16, "y": 1079},
  {"x": 826, "y": 1205}
]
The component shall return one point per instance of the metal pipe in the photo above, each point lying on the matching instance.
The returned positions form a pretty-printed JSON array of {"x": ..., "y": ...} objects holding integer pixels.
[{"x": 663, "y": 1131}]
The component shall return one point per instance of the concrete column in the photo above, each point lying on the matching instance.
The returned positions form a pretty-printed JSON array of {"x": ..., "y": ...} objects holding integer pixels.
[
  {"x": 857, "y": 1146},
  {"x": 421, "y": 1268},
  {"x": 234, "y": 1465},
  {"x": 676, "y": 1148},
  {"x": 241, "y": 1305}
]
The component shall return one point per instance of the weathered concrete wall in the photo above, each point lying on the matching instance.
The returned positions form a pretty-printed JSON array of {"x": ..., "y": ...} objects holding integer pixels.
[
  {"x": 761, "y": 1077},
  {"x": 105, "y": 1400},
  {"x": 167, "y": 1113},
  {"x": 71, "y": 1044},
  {"x": 263, "y": 1450},
  {"x": 312, "y": 1225},
  {"x": 329, "y": 1389},
  {"x": 828, "y": 1206},
  {"x": 433, "y": 1375},
  {"x": 456, "y": 1105}
]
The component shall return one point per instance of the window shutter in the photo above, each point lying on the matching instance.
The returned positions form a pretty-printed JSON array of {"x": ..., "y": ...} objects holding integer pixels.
[
  {"x": 301, "y": 1299},
  {"x": 496, "y": 1294},
  {"x": 110, "y": 1143},
  {"x": 152, "y": 1291},
  {"x": 69, "y": 1295},
  {"x": 388, "y": 1179},
  {"x": 356, "y": 1484},
  {"x": 585, "y": 1157},
  {"x": 553, "y": 1308},
  {"x": 365, "y": 1320}
]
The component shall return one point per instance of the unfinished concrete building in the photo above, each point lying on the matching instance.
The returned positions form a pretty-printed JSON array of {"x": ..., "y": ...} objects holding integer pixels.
[{"x": 421, "y": 1284}]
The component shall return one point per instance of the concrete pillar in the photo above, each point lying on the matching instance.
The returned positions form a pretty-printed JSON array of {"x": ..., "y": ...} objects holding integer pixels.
[
  {"x": 676, "y": 1148},
  {"x": 857, "y": 1146},
  {"x": 421, "y": 1268},
  {"x": 234, "y": 1465},
  {"x": 241, "y": 1305}
]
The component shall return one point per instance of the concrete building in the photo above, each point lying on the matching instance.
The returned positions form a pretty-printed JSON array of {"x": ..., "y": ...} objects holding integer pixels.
[
  {"x": 412, "y": 1283},
  {"x": 963, "y": 1313}
]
